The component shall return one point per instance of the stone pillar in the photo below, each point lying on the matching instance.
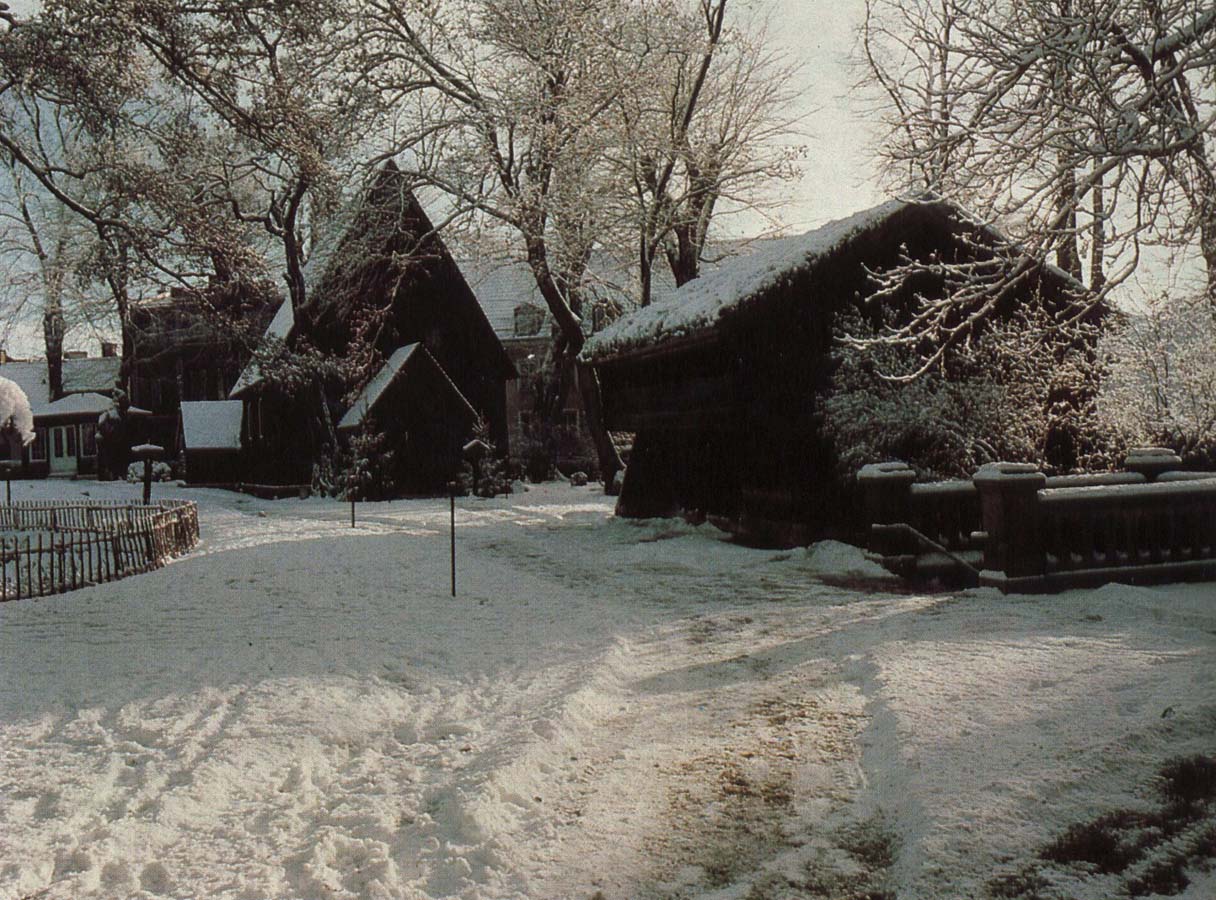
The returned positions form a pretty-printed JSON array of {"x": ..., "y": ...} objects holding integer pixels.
[
  {"x": 1010, "y": 505},
  {"x": 1152, "y": 461},
  {"x": 887, "y": 497}
]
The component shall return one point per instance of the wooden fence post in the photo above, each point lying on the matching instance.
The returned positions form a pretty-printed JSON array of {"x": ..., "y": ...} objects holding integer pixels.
[{"x": 1010, "y": 507}]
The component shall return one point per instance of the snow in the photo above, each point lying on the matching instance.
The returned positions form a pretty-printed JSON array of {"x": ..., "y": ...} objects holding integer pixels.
[
  {"x": 699, "y": 305},
  {"x": 642, "y": 709},
  {"x": 85, "y": 377},
  {"x": 212, "y": 424}
]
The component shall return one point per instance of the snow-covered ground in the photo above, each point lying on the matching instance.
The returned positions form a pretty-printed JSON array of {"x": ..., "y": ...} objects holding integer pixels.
[{"x": 606, "y": 710}]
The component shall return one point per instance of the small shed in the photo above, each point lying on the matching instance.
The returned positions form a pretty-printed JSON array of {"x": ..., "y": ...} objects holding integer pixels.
[
  {"x": 209, "y": 441},
  {"x": 720, "y": 381},
  {"x": 421, "y": 413}
]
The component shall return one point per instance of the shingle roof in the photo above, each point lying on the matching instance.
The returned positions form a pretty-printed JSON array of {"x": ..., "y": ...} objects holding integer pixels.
[{"x": 738, "y": 284}]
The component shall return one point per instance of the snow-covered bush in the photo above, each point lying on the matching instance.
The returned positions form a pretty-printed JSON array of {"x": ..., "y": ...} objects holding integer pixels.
[
  {"x": 16, "y": 418},
  {"x": 1161, "y": 384},
  {"x": 161, "y": 471},
  {"x": 1021, "y": 391},
  {"x": 361, "y": 470}
]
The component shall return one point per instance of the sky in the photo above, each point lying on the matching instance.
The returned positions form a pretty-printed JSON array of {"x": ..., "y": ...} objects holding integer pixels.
[{"x": 838, "y": 176}]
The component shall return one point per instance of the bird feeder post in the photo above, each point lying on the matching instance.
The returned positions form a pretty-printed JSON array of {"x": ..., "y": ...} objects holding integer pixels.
[
  {"x": 9, "y": 466},
  {"x": 452, "y": 499},
  {"x": 149, "y": 453}
]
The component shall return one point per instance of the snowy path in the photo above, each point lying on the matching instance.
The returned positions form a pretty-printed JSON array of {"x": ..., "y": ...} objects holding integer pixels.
[{"x": 299, "y": 710}]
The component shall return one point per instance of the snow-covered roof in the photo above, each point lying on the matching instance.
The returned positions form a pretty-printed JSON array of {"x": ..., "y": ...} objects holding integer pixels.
[
  {"x": 279, "y": 329},
  {"x": 96, "y": 374},
  {"x": 211, "y": 424},
  {"x": 374, "y": 390},
  {"x": 699, "y": 305},
  {"x": 75, "y": 405},
  {"x": 80, "y": 376}
]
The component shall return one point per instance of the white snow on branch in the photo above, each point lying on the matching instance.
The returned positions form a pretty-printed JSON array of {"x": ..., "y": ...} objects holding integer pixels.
[{"x": 15, "y": 413}]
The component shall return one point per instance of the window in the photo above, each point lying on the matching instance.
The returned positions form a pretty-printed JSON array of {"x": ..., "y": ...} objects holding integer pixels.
[
  {"x": 528, "y": 320},
  {"x": 38, "y": 449},
  {"x": 88, "y": 439},
  {"x": 57, "y": 439},
  {"x": 71, "y": 433}
]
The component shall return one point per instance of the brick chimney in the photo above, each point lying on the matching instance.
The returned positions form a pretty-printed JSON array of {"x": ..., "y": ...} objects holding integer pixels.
[{"x": 109, "y": 349}]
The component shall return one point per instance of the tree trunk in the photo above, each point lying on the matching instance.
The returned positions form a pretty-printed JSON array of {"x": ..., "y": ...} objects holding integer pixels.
[
  {"x": 1068, "y": 257},
  {"x": 1097, "y": 231},
  {"x": 1207, "y": 244},
  {"x": 52, "y": 336},
  {"x": 572, "y": 336}
]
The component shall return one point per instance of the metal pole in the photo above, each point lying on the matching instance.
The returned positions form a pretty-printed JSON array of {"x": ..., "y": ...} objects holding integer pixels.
[
  {"x": 147, "y": 480},
  {"x": 8, "y": 488},
  {"x": 452, "y": 495},
  {"x": 352, "y": 512}
]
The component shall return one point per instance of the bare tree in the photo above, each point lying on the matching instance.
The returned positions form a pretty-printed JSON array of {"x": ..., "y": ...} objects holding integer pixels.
[
  {"x": 708, "y": 124},
  {"x": 1069, "y": 123},
  {"x": 572, "y": 126},
  {"x": 512, "y": 103}
]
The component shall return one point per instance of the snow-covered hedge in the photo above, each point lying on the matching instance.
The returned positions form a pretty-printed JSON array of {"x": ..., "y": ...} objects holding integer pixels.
[
  {"x": 1021, "y": 392},
  {"x": 1161, "y": 385},
  {"x": 161, "y": 471}
]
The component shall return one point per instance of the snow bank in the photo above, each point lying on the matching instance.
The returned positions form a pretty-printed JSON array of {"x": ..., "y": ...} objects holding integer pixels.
[{"x": 835, "y": 559}]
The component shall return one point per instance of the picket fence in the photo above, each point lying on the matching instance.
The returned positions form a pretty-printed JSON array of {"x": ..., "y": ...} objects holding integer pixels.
[{"x": 65, "y": 546}]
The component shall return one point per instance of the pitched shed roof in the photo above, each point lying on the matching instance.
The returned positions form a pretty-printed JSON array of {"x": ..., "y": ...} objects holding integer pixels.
[
  {"x": 281, "y": 328},
  {"x": 211, "y": 424},
  {"x": 402, "y": 359},
  {"x": 700, "y": 306}
]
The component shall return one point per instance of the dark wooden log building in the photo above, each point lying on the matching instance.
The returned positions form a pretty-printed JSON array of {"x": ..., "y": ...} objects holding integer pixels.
[
  {"x": 720, "y": 381},
  {"x": 378, "y": 280}
]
